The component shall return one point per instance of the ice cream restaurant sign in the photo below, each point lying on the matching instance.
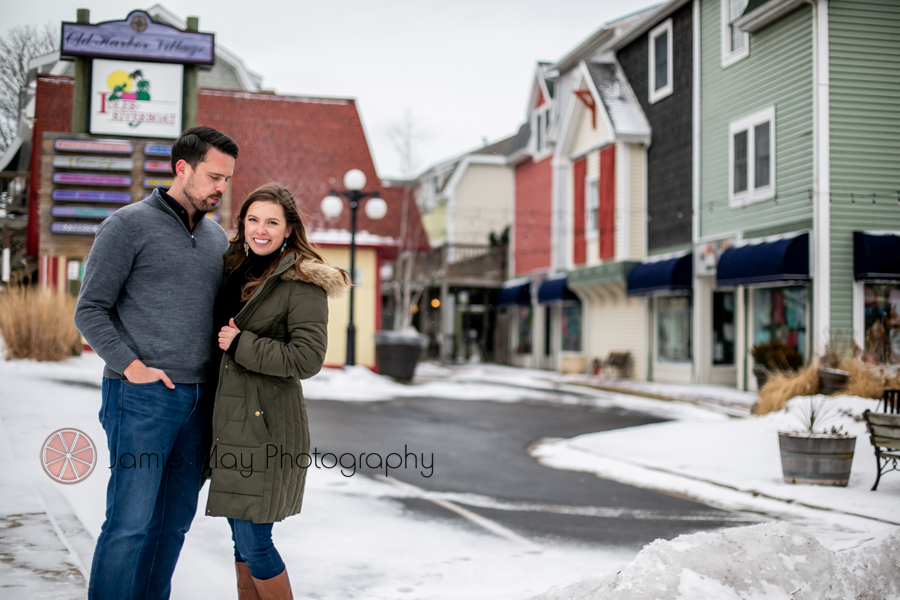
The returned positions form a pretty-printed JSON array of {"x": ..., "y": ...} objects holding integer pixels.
[
  {"x": 137, "y": 38},
  {"x": 136, "y": 99}
]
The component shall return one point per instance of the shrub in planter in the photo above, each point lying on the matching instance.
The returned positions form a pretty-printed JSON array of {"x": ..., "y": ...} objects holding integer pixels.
[
  {"x": 775, "y": 356},
  {"x": 814, "y": 453}
]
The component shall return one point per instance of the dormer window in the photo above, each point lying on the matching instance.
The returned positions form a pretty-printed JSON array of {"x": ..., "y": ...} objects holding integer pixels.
[
  {"x": 542, "y": 128},
  {"x": 660, "y": 62},
  {"x": 735, "y": 43}
]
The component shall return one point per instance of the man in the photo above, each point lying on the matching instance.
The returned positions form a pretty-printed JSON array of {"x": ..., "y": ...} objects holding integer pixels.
[{"x": 146, "y": 307}]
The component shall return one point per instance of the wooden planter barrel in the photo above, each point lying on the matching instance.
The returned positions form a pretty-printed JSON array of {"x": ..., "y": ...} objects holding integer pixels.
[{"x": 816, "y": 460}]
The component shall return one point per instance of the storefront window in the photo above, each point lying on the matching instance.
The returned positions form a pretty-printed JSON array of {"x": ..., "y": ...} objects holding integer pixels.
[
  {"x": 882, "y": 343},
  {"x": 723, "y": 328},
  {"x": 674, "y": 328},
  {"x": 571, "y": 328},
  {"x": 779, "y": 313},
  {"x": 524, "y": 324}
]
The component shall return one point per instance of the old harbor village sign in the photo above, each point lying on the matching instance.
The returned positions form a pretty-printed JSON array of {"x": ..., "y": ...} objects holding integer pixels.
[
  {"x": 137, "y": 73},
  {"x": 137, "y": 38}
]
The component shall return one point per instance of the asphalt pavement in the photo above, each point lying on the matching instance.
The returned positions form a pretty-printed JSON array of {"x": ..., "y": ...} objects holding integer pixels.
[{"x": 476, "y": 456}]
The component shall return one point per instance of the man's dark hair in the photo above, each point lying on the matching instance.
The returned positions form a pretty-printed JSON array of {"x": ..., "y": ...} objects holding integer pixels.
[{"x": 195, "y": 142}]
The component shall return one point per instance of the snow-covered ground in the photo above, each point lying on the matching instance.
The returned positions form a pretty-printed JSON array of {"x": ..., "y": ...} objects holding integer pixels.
[{"x": 355, "y": 539}]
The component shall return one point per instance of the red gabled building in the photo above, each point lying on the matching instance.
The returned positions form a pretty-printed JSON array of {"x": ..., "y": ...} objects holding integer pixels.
[{"x": 304, "y": 143}]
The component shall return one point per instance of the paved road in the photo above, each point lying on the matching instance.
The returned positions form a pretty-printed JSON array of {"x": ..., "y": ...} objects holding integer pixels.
[{"x": 480, "y": 448}]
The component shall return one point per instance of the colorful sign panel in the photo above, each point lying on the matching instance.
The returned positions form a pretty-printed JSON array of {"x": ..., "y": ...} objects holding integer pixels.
[
  {"x": 155, "y": 182},
  {"x": 67, "y": 228},
  {"x": 92, "y": 179},
  {"x": 94, "y": 146},
  {"x": 100, "y": 163},
  {"x": 137, "y": 38},
  {"x": 157, "y": 166},
  {"x": 91, "y": 196},
  {"x": 136, "y": 99},
  {"x": 157, "y": 149},
  {"x": 81, "y": 212}
]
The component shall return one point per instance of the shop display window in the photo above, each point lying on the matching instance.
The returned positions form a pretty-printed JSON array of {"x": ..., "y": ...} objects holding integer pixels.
[
  {"x": 673, "y": 315},
  {"x": 882, "y": 319},
  {"x": 723, "y": 328},
  {"x": 780, "y": 314},
  {"x": 571, "y": 327},
  {"x": 524, "y": 330}
]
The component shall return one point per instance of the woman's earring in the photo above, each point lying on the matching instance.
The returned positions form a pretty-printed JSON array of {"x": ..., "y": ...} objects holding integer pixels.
[
  {"x": 283, "y": 246},
  {"x": 246, "y": 248}
]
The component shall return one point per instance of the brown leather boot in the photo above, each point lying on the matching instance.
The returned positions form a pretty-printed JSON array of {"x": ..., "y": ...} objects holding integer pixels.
[
  {"x": 246, "y": 589},
  {"x": 277, "y": 588}
]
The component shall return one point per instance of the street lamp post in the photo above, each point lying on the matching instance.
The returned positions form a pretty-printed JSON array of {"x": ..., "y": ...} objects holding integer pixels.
[{"x": 376, "y": 208}]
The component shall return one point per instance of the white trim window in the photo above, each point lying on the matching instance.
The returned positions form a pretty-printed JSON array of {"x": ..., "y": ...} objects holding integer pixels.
[
  {"x": 542, "y": 127},
  {"x": 660, "y": 61},
  {"x": 735, "y": 43},
  {"x": 592, "y": 206},
  {"x": 751, "y": 158}
]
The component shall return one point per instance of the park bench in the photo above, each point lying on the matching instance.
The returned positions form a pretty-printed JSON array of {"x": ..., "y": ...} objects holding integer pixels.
[
  {"x": 884, "y": 431},
  {"x": 618, "y": 363}
]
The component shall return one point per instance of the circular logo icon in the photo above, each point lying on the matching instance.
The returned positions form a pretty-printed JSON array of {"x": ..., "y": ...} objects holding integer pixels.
[
  {"x": 68, "y": 456},
  {"x": 139, "y": 23}
]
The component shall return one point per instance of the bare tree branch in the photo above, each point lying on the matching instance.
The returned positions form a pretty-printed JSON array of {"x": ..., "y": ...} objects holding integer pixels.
[
  {"x": 18, "y": 46},
  {"x": 405, "y": 135}
]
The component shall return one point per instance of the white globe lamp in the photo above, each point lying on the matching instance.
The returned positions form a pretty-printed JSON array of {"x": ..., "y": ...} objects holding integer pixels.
[
  {"x": 332, "y": 206},
  {"x": 376, "y": 208},
  {"x": 354, "y": 180}
]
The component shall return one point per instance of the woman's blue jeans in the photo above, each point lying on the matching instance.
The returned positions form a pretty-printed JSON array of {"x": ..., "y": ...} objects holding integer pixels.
[
  {"x": 253, "y": 545},
  {"x": 159, "y": 441}
]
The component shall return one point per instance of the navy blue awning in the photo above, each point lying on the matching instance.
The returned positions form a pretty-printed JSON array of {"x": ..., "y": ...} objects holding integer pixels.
[
  {"x": 770, "y": 262},
  {"x": 673, "y": 275},
  {"x": 554, "y": 290},
  {"x": 516, "y": 294},
  {"x": 876, "y": 256}
]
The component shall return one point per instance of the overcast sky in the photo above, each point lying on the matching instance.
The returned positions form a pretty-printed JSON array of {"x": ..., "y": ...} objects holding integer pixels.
[{"x": 463, "y": 67}]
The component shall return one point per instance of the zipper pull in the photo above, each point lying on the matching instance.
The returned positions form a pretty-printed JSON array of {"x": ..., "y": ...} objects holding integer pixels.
[{"x": 193, "y": 241}]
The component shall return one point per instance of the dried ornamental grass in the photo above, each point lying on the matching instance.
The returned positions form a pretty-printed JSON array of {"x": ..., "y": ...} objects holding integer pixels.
[
  {"x": 870, "y": 381},
  {"x": 38, "y": 325},
  {"x": 781, "y": 387}
]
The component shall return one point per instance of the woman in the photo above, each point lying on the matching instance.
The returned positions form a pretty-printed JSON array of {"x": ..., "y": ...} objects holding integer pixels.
[{"x": 272, "y": 318}]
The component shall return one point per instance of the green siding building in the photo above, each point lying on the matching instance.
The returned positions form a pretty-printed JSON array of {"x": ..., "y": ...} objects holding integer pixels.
[{"x": 797, "y": 137}]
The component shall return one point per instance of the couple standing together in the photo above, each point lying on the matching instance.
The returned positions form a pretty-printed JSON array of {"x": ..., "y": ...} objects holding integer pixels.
[{"x": 202, "y": 354}]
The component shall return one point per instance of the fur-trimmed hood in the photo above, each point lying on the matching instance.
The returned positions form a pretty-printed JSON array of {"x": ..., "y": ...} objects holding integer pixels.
[{"x": 331, "y": 279}]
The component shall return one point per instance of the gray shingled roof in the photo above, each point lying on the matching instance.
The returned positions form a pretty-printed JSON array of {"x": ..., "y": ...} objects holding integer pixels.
[
  {"x": 623, "y": 110},
  {"x": 501, "y": 148},
  {"x": 519, "y": 141}
]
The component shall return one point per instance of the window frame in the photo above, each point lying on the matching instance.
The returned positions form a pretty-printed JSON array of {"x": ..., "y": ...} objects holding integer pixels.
[
  {"x": 730, "y": 57},
  {"x": 655, "y": 95},
  {"x": 748, "y": 124}
]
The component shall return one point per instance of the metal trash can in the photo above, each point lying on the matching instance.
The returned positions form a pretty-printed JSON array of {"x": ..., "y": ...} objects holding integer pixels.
[{"x": 398, "y": 352}]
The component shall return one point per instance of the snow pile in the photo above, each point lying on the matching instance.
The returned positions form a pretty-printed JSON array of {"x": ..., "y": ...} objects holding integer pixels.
[
  {"x": 359, "y": 384},
  {"x": 769, "y": 561}
]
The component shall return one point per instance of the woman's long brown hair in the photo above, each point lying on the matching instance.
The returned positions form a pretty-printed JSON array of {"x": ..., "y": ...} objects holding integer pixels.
[{"x": 296, "y": 242}]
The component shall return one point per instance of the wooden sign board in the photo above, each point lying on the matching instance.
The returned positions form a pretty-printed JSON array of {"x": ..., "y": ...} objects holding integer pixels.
[{"x": 84, "y": 179}]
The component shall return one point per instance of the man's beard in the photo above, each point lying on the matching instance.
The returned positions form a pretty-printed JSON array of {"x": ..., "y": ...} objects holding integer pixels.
[{"x": 202, "y": 205}]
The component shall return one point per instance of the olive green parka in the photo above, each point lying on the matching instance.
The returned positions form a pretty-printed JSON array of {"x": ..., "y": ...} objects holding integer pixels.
[{"x": 260, "y": 428}]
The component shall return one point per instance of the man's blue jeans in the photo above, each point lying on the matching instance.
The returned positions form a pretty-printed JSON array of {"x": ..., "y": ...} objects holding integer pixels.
[{"x": 158, "y": 441}]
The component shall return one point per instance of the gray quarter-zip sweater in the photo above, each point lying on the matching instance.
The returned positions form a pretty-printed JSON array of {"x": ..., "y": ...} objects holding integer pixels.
[{"x": 149, "y": 289}]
